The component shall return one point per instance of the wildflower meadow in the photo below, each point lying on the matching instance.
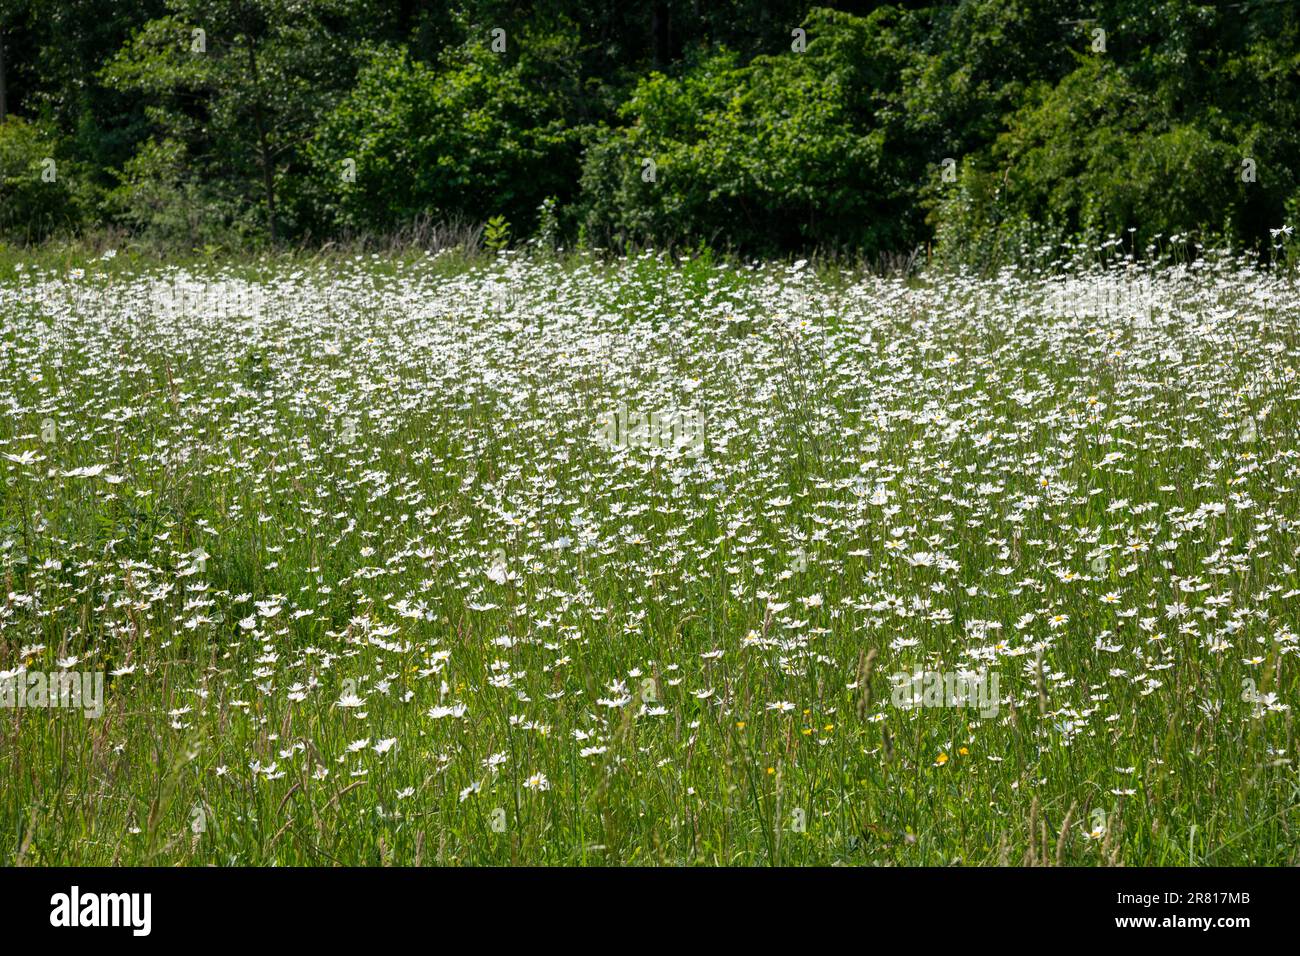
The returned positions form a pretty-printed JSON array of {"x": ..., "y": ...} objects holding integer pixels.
[{"x": 566, "y": 560}]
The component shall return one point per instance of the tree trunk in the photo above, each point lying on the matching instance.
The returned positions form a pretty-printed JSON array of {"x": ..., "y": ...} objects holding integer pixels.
[
  {"x": 659, "y": 27},
  {"x": 4, "y": 99},
  {"x": 263, "y": 142},
  {"x": 268, "y": 173}
]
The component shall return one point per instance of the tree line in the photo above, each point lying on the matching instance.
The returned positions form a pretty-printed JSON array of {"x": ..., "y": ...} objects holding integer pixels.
[{"x": 987, "y": 130}]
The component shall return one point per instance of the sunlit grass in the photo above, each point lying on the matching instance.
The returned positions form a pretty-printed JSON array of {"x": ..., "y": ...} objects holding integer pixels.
[{"x": 374, "y": 589}]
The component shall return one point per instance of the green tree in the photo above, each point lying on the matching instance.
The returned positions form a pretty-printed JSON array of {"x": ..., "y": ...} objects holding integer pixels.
[
  {"x": 35, "y": 198},
  {"x": 788, "y": 151},
  {"x": 473, "y": 136},
  {"x": 239, "y": 84}
]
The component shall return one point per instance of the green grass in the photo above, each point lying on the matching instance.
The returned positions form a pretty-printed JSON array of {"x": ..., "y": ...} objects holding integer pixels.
[{"x": 401, "y": 460}]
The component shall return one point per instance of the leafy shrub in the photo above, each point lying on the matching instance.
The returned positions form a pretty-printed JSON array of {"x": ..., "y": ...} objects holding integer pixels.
[
  {"x": 781, "y": 153},
  {"x": 474, "y": 137},
  {"x": 1093, "y": 156},
  {"x": 33, "y": 202},
  {"x": 160, "y": 196}
]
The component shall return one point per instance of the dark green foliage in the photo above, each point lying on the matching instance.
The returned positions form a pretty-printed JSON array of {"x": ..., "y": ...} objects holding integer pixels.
[
  {"x": 476, "y": 136},
  {"x": 35, "y": 194},
  {"x": 672, "y": 122},
  {"x": 788, "y": 151},
  {"x": 1144, "y": 141}
]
